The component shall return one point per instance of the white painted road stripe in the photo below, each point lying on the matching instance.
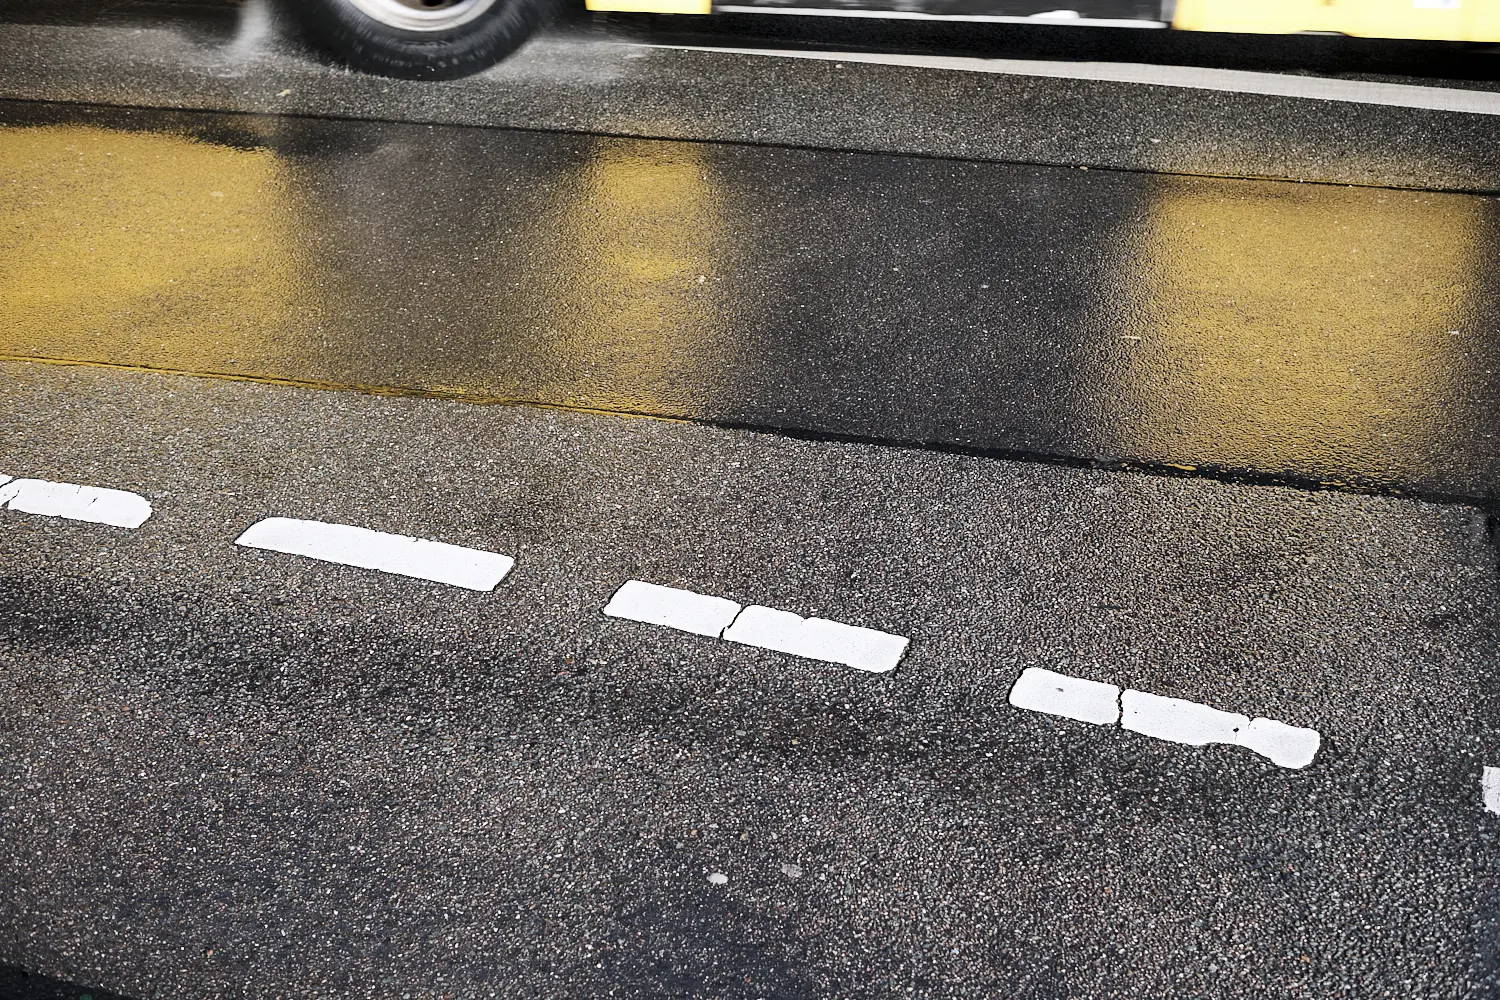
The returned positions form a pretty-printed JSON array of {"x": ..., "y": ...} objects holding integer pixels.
[
  {"x": 1178, "y": 720},
  {"x": 118, "y": 508},
  {"x": 472, "y": 569},
  {"x": 1287, "y": 746},
  {"x": 1165, "y": 718},
  {"x": 1071, "y": 697},
  {"x": 1490, "y": 783},
  {"x": 818, "y": 639},
  {"x": 1235, "y": 81},
  {"x": 683, "y": 610},
  {"x": 1199, "y": 725}
]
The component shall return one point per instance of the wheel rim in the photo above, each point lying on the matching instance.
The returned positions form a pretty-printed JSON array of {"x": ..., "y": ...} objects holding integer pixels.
[{"x": 423, "y": 15}]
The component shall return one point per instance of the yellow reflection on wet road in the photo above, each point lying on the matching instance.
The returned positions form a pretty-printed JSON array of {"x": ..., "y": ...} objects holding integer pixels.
[
  {"x": 595, "y": 284},
  {"x": 144, "y": 248},
  {"x": 1273, "y": 324},
  {"x": 1266, "y": 326},
  {"x": 642, "y": 239}
]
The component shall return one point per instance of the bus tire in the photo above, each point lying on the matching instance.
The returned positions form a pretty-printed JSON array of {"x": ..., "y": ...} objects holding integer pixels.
[{"x": 416, "y": 39}]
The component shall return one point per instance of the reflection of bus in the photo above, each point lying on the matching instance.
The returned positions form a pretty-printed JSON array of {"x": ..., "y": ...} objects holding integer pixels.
[{"x": 442, "y": 39}]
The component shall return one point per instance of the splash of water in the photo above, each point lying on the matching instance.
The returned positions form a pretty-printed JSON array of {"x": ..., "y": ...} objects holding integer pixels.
[{"x": 253, "y": 31}]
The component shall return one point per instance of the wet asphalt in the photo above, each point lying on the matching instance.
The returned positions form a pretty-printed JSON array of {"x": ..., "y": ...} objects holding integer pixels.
[
  {"x": 1308, "y": 334},
  {"x": 1223, "y": 438}
]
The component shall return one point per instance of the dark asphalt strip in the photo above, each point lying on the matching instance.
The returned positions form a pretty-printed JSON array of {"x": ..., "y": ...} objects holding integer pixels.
[
  {"x": 1388, "y": 59},
  {"x": 1247, "y": 477},
  {"x": 62, "y": 110}
]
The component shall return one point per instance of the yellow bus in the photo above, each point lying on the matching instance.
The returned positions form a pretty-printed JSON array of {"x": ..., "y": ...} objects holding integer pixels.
[{"x": 443, "y": 39}]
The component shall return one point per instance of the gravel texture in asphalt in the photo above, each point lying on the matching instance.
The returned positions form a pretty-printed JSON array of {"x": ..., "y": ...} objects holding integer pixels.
[
  {"x": 239, "y": 773},
  {"x": 230, "y": 772}
]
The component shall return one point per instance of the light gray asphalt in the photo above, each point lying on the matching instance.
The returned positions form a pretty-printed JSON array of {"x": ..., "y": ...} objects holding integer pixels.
[
  {"x": 573, "y": 79},
  {"x": 232, "y": 773}
]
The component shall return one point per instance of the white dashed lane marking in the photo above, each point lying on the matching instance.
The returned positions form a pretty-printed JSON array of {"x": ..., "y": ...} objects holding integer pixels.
[
  {"x": 818, "y": 639},
  {"x": 472, "y": 569},
  {"x": 1178, "y": 720},
  {"x": 1173, "y": 719},
  {"x": 1037, "y": 690},
  {"x": 1199, "y": 725},
  {"x": 1071, "y": 697},
  {"x": 766, "y": 628},
  {"x": 683, "y": 610},
  {"x": 1490, "y": 784},
  {"x": 93, "y": 504}
]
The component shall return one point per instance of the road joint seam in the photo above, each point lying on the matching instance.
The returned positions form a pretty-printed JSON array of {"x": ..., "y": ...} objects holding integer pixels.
[{"x": 1212, "y": 472}]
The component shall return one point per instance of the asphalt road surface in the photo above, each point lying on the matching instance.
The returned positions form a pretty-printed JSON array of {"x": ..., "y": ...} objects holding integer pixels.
[{"x": 1186, "y": 393}]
